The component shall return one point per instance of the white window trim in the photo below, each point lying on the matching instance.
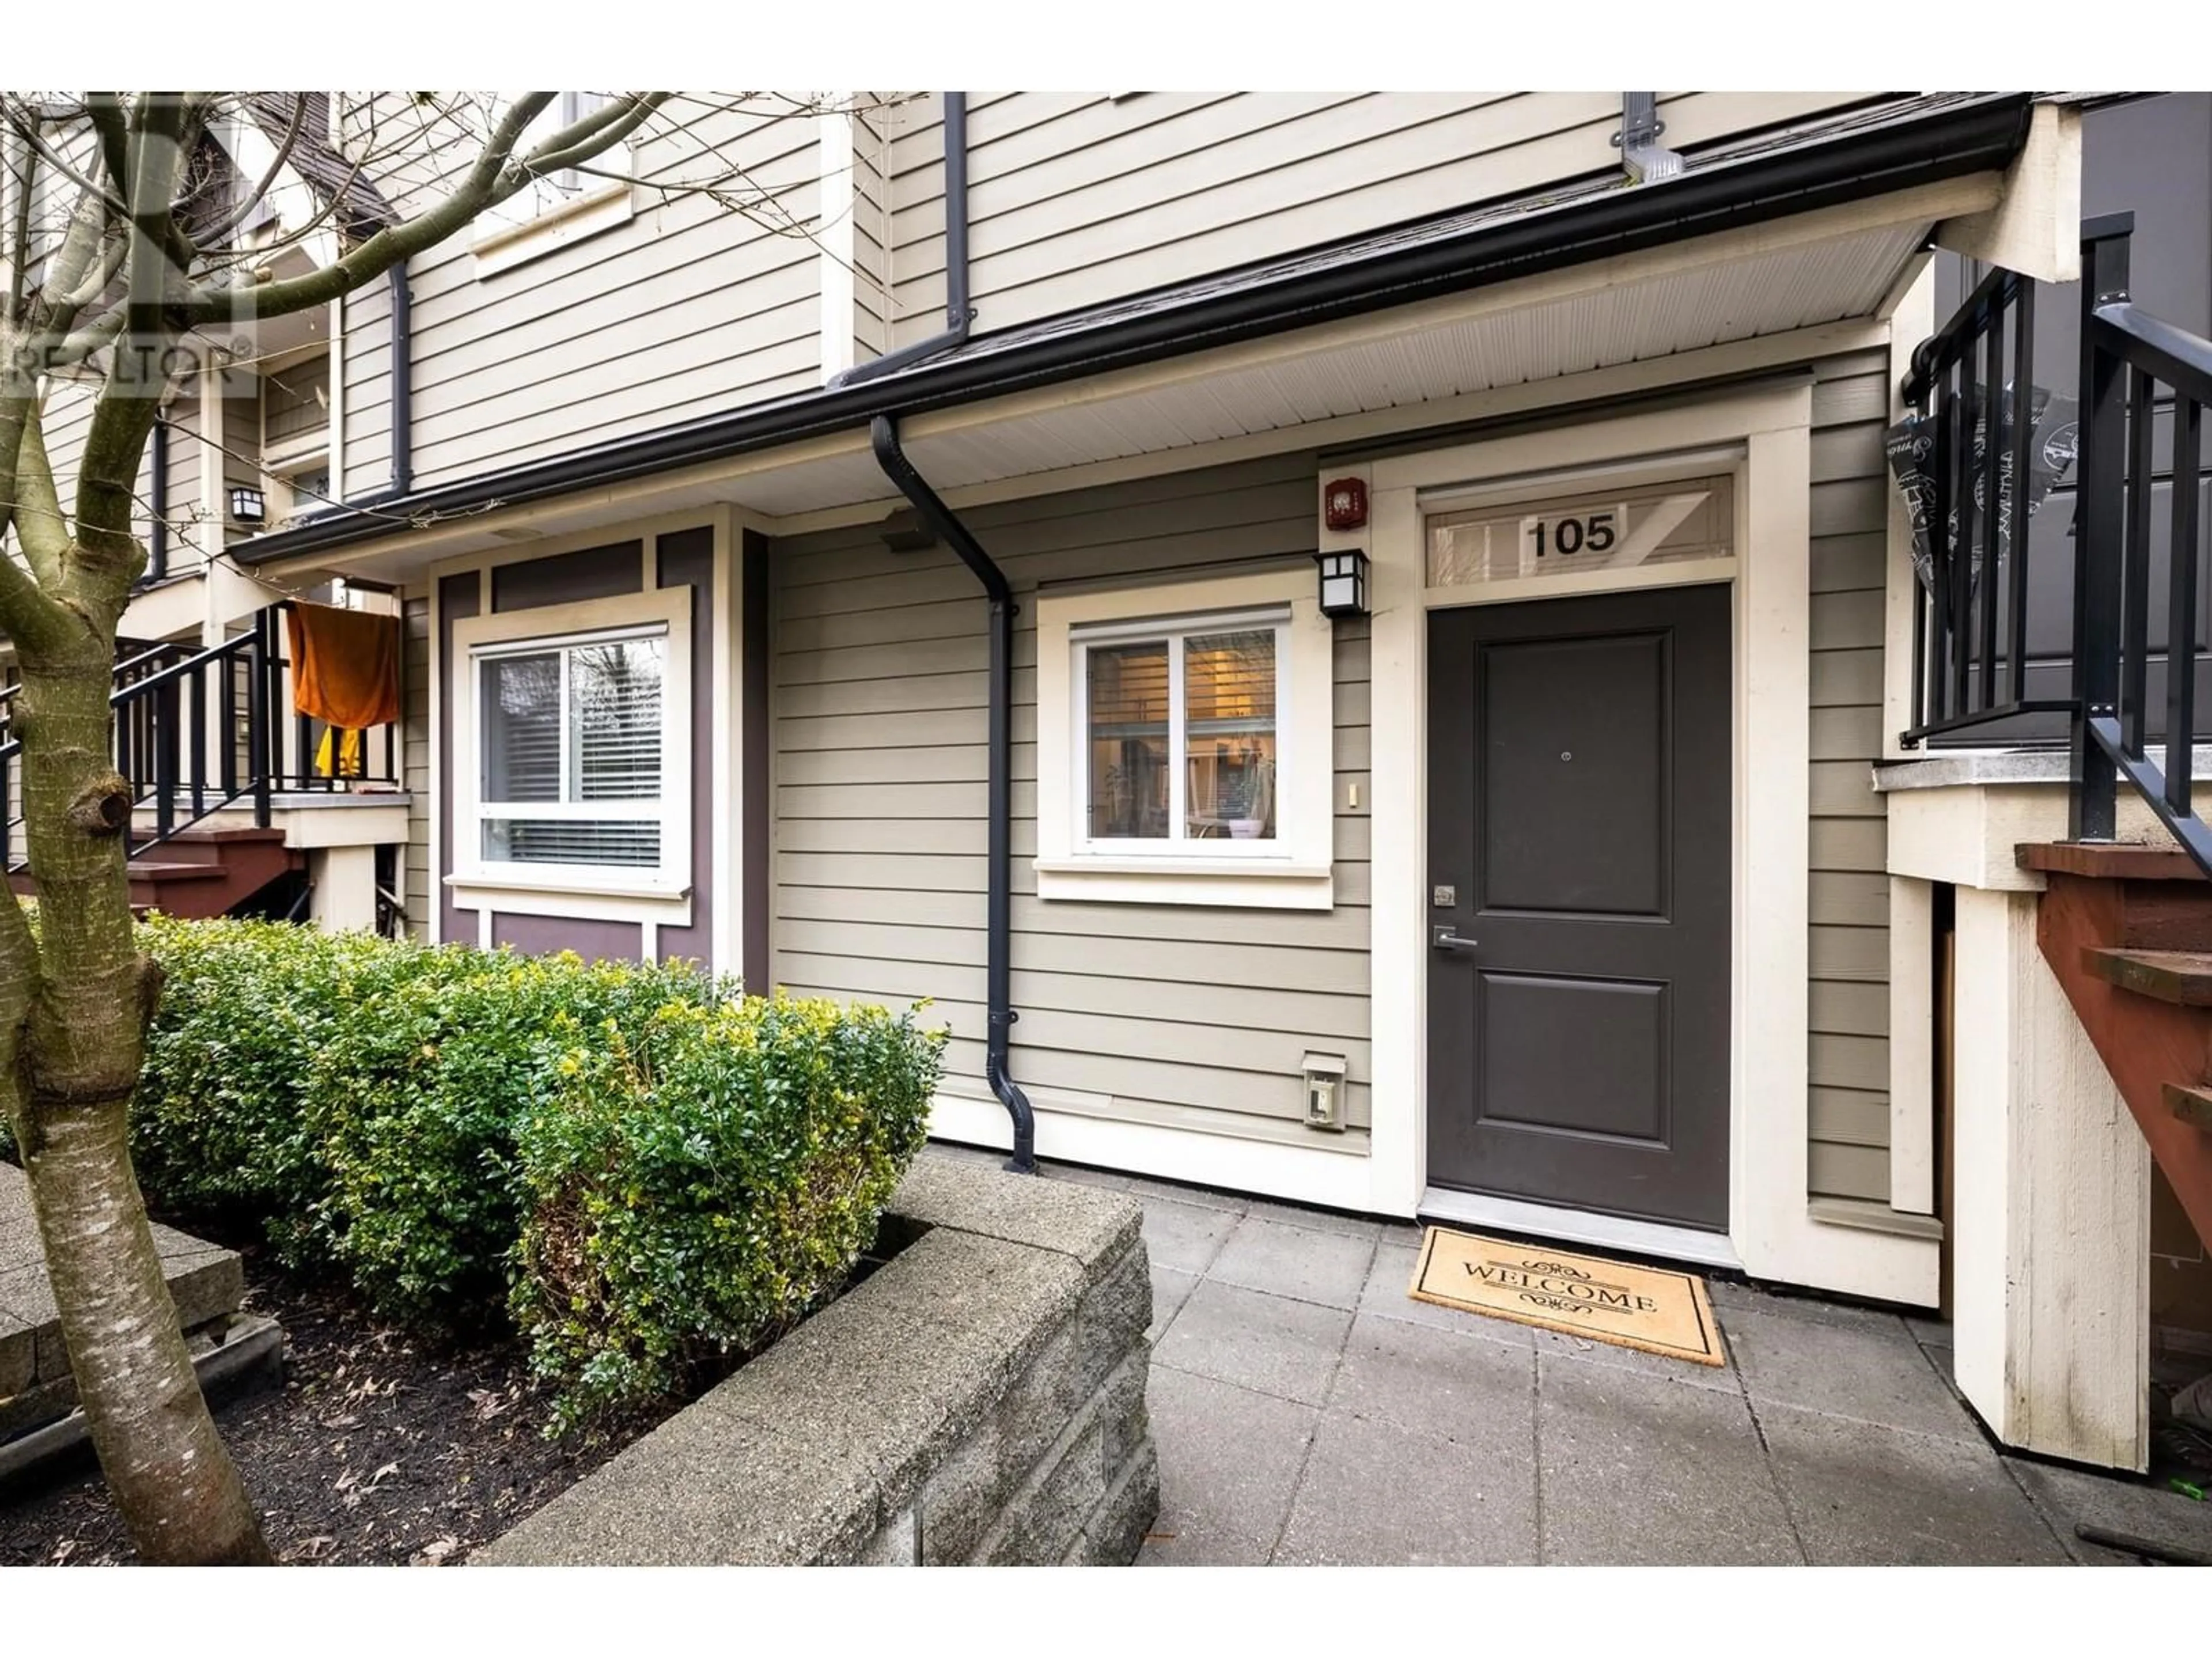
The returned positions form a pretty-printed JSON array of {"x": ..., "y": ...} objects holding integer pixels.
[
  {"x": 1295, "y": 871},
  {"x": 645, "y": 894}
]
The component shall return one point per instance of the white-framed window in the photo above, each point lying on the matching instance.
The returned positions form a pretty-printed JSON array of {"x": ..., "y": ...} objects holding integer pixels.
[
  {"x": 563, "y": 205},
  {"x": 1179, "y": 739},
  {"x": 572, "y": 732},
  {"x": 568, "y": 750},
  {"x": 1185, "y": 744}
]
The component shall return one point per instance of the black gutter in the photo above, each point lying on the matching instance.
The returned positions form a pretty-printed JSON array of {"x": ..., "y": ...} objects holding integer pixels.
[
  {"x": 958, "y": 314},
  {"x": 998, "y": 1014},
  {"x": 1977, "y": 137}
]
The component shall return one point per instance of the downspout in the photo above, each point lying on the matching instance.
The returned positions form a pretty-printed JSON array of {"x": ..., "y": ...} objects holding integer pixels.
[
  {"x": 1642, "y": 155},
  {"x": 998, "y": 1016},
  {"x": 958, "y": 314},
  {"x": 402, "y": 384},
  {"x": 157, "y": 504}
]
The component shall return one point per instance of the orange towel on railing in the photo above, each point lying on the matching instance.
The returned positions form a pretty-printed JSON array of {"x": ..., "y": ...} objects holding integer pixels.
[{"x": 345, "y": 666}]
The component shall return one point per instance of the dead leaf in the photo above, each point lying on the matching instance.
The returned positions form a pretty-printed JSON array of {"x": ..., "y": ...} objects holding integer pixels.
[
  {"x": 310, "y": 1549},
  {"x": 63, "y": 1550},
  {"x": 489, "y": 1403},
  {"x": 435, "y": 1553}
]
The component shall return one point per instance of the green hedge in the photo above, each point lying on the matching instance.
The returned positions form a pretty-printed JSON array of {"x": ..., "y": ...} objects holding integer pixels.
[{"x": 639, "y": 1165}]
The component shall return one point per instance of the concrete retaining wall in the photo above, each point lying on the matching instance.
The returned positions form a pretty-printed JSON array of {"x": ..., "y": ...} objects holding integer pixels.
[{"x": 980, "y": 1398}]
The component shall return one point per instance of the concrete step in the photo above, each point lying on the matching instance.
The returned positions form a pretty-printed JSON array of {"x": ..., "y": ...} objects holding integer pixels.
[
  {"x": 2189, "y": 1105},
  {"x": 206, "y": 1281},
  {"x": 2181, "y": 977}
]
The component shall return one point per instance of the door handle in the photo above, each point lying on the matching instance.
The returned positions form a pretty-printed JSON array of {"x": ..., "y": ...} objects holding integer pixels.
[{"x": 1444, "y": 939}]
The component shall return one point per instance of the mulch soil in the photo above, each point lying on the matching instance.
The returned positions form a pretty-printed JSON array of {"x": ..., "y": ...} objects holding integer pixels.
[{"x": 382, "y": 1448}]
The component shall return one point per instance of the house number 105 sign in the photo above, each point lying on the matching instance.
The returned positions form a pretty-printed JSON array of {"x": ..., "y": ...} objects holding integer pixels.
[
  {"x": 1586, "y": 532},
  {"x": 1573, "y": 535}
]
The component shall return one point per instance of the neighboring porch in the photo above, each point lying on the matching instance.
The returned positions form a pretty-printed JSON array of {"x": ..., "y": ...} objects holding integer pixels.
[{"x": 240, "y": 804}]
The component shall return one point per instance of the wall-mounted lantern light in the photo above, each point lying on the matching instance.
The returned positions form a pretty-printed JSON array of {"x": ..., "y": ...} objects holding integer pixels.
[
  {"x": 245, "y": 504},
  {"x": 1343, "y": 582}
]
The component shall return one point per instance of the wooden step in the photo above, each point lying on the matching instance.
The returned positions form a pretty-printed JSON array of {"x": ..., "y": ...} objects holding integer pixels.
[
  {"x": 2084, "y": 930},
  {"x": 2181, "y": 977},
  {"x": 2109, "y": 861},
  {"x": 159, "y": 872},
  {"x": 2189, "y": 1105}
]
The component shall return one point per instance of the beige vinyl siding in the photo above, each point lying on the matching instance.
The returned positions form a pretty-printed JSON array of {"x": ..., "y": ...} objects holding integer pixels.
[
  {"x": 871, "y": 225},
  {"x": 67, "y": 421},
  {"x": 1076, "y": 197},
  {"x": 190, "y": 529},
  {"x": 414, "y": 740},
  {"x": 241, "y": 441},
  {"x": 689, "y": 308},
  {"x": 1696, "y": 118},
  {"x": 1848, "y": 1000},
  {"x": 1159, "y": 1013},
  {"x": 361, "y": 459}
]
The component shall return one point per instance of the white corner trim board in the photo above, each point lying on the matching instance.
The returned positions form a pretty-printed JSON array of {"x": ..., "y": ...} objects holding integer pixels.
[{"x": 2051, "y": 1225}]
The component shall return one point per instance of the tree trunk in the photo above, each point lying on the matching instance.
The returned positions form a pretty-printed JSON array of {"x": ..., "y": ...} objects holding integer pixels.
[{"x": 80, "y": 1050}]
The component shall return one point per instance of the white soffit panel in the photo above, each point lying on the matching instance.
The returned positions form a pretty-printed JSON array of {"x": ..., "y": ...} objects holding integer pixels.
[{"x": 1769, "y": 293}]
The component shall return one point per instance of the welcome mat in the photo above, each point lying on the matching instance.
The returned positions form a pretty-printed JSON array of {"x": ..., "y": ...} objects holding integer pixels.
[{"x": 1654, "y": 1309}]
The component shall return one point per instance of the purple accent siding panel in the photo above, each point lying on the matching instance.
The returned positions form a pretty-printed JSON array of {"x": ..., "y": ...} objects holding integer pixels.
[
  {"x": 459, "y": 598},
  {"x": 687, "y": 557},
  {"x": 594, "y": 941},
  {"x": 590, "y": 573}
]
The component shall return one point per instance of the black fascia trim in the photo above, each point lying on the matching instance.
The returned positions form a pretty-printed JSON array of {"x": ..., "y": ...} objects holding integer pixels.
[{"x": 1948, "y": 143}]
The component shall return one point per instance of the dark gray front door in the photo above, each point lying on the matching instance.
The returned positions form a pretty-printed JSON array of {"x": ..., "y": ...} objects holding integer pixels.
[{"x": 1578, "y": 814}]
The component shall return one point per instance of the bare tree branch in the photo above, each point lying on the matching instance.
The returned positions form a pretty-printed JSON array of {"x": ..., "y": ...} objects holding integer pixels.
[
  {"x": 40, "y": 527},
  {"x": 18, "y": 250},
  {"x": 496, "y": 176},
  {"x": 125, "y": 413},
  {"x": 593, "y": 135},
  {"x": 112, "y": 122},
  {"x": 236, "y": 218},
  {"x": 27, "y": 128}
]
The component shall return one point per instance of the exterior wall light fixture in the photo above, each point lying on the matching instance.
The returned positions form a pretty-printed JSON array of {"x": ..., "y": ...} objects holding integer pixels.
[{"x": 1343, "y": 582}]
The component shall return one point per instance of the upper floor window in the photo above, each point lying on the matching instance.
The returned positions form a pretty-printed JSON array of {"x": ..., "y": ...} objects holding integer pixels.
[{"x": 562, "y": 204}]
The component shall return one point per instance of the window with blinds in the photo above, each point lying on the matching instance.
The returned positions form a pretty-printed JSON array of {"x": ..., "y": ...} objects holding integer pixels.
[
  {"x": 570, "y": 747},
  {"x": 1179, "y": 737}
]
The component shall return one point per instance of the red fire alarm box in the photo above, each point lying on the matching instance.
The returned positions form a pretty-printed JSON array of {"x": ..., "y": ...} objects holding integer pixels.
[{"x": 1345, "y": 504}]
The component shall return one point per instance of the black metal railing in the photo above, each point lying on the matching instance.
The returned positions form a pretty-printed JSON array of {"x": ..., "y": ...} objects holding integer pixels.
[
  {"x": 202, "y": 731},
  {"x": 2135, "y": 647},
  {"x": 2139, "y": 376},
  {"x": 1974, "y": 400}
]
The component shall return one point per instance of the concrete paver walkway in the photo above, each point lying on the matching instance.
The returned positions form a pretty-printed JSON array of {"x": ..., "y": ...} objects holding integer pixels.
[{"x": 1308, "y": 1411}]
